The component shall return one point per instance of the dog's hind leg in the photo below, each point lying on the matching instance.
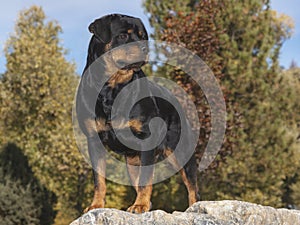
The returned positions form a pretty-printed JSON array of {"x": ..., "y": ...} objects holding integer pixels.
[
  {"x": 144, "y": 189},
  {"x": 99, "y": 166},
  {"x": 188, "y": 174},
  {"x": 189, "y": 177}
]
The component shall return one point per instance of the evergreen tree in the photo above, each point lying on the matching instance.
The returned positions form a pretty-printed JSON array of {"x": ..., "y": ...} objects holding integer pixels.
[
  {"x": 37, "y": 93},
  {"x": 23, "y": 199},
  {"x": 293, "y": 64},
  {"x": 17, "y": 203},
  {"x": 292, "y": 76},
  {"x": 36, "y": 97},
  {"x": 266, "y": 144},
  {"x": 261, "y": 132}
]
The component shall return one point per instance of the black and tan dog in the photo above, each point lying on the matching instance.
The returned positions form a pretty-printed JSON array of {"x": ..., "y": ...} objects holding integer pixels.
[{"x": 110, "y": 32}]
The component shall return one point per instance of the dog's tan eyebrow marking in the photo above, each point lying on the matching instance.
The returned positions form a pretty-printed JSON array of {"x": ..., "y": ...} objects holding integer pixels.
[
  {"x": 108, "y": 46},
  {"x": 130, "y": 31}
]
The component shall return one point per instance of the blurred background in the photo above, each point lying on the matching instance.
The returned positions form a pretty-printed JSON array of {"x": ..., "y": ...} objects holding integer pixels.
[{"x": 252, "y": 46}]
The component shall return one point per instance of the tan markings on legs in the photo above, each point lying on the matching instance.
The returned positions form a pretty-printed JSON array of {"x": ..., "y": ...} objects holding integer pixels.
[
  {"x": 95, "y": 126},
  {"x": 136, "y": 125},
  {"x": 168, "y": 153},
  {"x": 90, "y": 126},
  {"x": 99, "y": 195},
  {"x": 142, "y": 202},
  {"x": 191, "y": 188},
  {"x": 98, "y": 125},
  {"x": 132, "y": 163},
  {"x": 101, "y": 125},
  {"x": 100, "y": 187}
]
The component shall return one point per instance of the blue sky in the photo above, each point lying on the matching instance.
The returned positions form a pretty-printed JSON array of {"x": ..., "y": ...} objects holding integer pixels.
[{"x": 75, "y": 15}]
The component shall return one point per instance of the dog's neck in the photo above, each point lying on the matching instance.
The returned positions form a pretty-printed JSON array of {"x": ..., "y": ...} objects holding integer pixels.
[
  {"x": 115, "y": 84},
  {"x": 125, "y": 76}
]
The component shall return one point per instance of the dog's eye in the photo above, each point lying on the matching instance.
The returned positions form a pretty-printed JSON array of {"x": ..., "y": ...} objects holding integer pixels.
[{"x": 123, "y": 36}]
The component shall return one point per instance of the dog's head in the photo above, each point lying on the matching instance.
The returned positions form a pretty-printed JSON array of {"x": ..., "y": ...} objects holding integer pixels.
[{"x": 116, "y": 31}]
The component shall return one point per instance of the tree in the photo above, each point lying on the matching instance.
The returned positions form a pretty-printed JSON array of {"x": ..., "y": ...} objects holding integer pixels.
[
  {"x": 260, "y": 141},
  {"x": 36, "y": 98},
  {"x": 292, "y": 195},
  {"x": 23, "y": 199},
  {"x": 293, "y": 64},
  {"x": 197, "y": 31},
  {"x": 267, "y": 143},
  {"x": 37, "y": 92},
  {"x": 16, "y": 203}
]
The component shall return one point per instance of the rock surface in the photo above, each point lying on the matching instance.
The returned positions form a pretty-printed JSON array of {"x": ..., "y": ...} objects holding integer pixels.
[{"x": 201, "y": 213}]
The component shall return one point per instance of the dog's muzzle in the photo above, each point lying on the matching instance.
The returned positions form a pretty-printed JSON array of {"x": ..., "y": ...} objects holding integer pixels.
[{"x": 132, "y": 56}]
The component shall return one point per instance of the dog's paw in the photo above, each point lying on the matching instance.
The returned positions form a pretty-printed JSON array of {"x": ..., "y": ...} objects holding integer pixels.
[
  {"x": 139, "y": 208},
  {"x": 91, "y": 207}
]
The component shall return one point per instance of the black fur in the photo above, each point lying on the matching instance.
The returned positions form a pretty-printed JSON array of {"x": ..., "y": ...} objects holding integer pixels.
[{"x": 107, "y": 32}]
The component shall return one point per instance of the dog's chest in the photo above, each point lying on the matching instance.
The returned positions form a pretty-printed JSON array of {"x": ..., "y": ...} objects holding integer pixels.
[{"x": 112, "y": 88}]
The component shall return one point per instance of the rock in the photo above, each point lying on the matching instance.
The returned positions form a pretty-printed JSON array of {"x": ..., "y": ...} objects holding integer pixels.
[
  {"x": 237, "y": 212},
  {"x": 201, "y": 213}
]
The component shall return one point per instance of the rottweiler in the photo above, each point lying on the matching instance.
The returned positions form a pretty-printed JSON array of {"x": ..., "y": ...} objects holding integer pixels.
[{"x": 95, "y": 121}]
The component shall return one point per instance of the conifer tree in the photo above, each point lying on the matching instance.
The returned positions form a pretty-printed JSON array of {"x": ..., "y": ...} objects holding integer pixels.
[
  {"x": 36, "y": 99},
  {"x": 261, "y": 103},
  {"x": 23, "y": 199},
  {"x": 37, "y": 92}
]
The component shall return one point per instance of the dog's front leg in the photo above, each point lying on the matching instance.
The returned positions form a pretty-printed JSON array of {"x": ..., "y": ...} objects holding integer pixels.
[
  {"x": 144, "y": 190},
  {"x": 99, "y": 166}
]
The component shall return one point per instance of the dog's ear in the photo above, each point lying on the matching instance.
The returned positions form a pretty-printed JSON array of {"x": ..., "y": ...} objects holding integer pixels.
[{"x": 101, "y": 29}]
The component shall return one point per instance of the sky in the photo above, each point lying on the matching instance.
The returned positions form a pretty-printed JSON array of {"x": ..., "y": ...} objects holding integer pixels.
[{"x": 74, "y": 16}]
